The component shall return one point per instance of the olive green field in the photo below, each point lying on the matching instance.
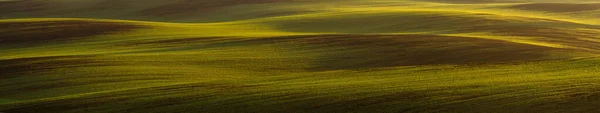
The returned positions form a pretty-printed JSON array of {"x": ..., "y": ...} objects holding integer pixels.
[{"x": 299, "y": 56}]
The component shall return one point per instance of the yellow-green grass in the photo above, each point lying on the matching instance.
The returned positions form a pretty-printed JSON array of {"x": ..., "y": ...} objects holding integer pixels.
[
  {"x": 299, "y": 56},
  {"x": 140, "y": 71},
  {"x": 550, "y": 86}
]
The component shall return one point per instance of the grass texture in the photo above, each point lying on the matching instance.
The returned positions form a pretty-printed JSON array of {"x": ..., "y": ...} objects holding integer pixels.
[{"x": 299, "y": 56}]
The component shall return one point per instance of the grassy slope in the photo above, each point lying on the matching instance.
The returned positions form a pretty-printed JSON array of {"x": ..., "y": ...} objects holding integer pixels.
[{"x": 359, "y": 56}]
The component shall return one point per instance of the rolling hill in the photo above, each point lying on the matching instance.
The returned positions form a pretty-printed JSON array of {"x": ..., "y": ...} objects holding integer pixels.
[{"x": 76, "y": 56}]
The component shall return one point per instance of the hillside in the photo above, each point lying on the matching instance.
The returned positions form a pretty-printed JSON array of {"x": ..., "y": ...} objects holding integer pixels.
[{"x": 77, "y": 56}]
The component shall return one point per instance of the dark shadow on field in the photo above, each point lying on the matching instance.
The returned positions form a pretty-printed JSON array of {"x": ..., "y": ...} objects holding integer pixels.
[
  {"x": 23, "y": 6},
  {"x": 471, "y": 1},
  {"x": 191, "y": 6},
  {"x": 187, "y": 11},
  {"x": 165, "y": 43},
  {"x": 15, "y": 67},
  {"x": 43, "y": 32},
  {"x": 558, "y": 7},
  {"x": 338, "y": 52},
  {"x": 373, "y": 51}
]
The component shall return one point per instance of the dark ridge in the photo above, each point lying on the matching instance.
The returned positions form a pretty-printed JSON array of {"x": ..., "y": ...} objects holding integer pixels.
[
  {"x": 190, "y": 6},
  {"x": 13, "y": 67},
  {"x": 470, "y": 1},
  {"x": 176, "y": 42},
  {"x": 376, "y": 51},
  {"x": 558, "y": 7},
  {"x": 335, "y": 52},
  {"x": 34, "y": 33},
  {"x": 30, "y": 67},
  {"x": 23, "y": 6},
  {"x": 111, "y": 4}
]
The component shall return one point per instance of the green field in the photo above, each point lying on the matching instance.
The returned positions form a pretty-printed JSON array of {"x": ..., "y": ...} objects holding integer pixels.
[{"x": 463, "y": 56}]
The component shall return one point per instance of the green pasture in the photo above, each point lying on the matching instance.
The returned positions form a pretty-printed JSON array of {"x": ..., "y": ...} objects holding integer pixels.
[{"x": 463, "y": 56}]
